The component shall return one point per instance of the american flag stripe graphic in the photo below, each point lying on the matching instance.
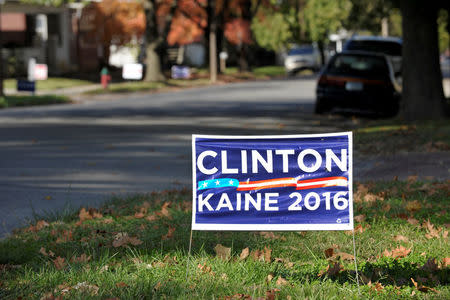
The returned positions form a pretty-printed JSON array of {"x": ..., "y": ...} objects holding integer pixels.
[{"x": 292, "y": 182}]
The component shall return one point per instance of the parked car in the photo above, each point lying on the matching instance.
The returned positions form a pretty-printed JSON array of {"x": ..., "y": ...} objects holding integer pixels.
[
  {"x": 358, "y": 80},
  {"x": 390, "y": 46},
  {"x": 303, "y": 57}
]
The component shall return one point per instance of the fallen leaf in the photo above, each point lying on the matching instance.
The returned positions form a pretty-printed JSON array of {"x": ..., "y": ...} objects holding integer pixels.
[
  {"x": 271, "y": 294},
  {"x": 43, "y": 251},
  {"x": 83, "y": 258},
  {"x": 359, "y": 218},
  {"x": 412, "y": 221},
  {"x": 122, "y": 239},
  {"x": 413, "y": 206},
  {"x": 329, "y": 252},
  {"x": 281, "y": 281},
  {"x": 376, "y": 287},
  {"x": 400, "y": 238},
  {"x": 86, "y": 287},
  {"x": 398, "y": 252},
  {"x": 267, "y": 254},
  {"x": 370, "y": 198},
  {"x": 386, "y": 208},
  {"x": 107, "y": 221},
  {"x": 59, "y": 263},
  {"x": 84, "y": 215},
  {"x": 422, "y": 288},
  {"x": 66, "y": 237},
  {"x": 331, "y": 270},
  {"x": 244, "y": 254},
  {"x": 151, "y": 218},
  {"x": 157, "y": 286},
  {"x": 446, "y": 262},
  {"x": 411, "y": 179},
  {"x": 121, "y": 284},
  {"x": 169, "y": 234},
  {"x": 269, "y": 278},
  {"x": 222, "y": 252}
]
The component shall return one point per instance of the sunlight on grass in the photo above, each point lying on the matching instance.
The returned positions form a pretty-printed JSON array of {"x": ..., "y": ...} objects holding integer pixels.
[
  {"x": 51, "y": 83},
  {"x": 30, "y": 100},
  {"x": 137, "y": 247}
]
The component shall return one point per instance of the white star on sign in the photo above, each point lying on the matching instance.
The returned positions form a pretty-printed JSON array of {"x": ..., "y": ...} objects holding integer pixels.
[
  {"x": 205, "y": 184},
  {"x": 231, "y": 182},
  {"x": 217, "y": 182}
]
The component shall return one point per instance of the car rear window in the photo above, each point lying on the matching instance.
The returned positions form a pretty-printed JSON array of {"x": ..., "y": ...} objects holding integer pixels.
[
  {"x": 300, "y": 51},
  {"x": 359, "y": 65},
  {"x": 385, "y": 47}
]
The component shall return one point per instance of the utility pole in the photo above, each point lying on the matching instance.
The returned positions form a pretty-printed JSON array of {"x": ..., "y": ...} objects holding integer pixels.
[
  {"x": 212, "y": 40},
  {"x": 1, "y": 50}
]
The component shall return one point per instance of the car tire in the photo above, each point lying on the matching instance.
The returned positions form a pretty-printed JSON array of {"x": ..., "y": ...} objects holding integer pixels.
[{"x": 321, "y": 107}]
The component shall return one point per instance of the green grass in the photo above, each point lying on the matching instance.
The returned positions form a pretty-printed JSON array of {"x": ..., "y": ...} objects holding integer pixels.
[
  {"x": 156, "y": 269},
  {"x": 390, "y": 136},
  {"x": 29, "y": 100},
  {"x": 51, "y": 83},
  {"x": 271, "y": 71}
]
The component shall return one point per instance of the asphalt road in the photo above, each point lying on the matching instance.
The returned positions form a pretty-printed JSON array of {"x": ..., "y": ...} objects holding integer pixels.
[{"x": 61, "y": 157}]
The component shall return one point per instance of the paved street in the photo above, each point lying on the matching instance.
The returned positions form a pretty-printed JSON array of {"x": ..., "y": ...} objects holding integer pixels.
[{"x": 58, "y": 157}]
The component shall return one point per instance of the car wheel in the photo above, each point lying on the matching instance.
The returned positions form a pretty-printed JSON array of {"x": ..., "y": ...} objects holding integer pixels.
[{"x": 321, "y": 107}]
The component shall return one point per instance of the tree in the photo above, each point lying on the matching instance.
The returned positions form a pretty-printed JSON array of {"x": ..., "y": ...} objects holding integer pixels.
[
  {"x": 323, "y": 17},
  {"x": 271, "y": 30},
  {"x": 423, "y": 96},
  {"x": 116, "y": 22}
]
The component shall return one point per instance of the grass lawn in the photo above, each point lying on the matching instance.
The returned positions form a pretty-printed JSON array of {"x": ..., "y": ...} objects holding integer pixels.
[
  {"x": 201, "y": 78},
  {"x": 137, "y": 247},
  {"x": 51, "y": 83},
  {"x": 29, "y": 100}
]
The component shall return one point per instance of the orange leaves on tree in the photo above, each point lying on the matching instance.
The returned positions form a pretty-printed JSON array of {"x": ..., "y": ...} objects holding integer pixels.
[
  {"x": 188, "y": 23},
  {"x": 238, "y": 32}
]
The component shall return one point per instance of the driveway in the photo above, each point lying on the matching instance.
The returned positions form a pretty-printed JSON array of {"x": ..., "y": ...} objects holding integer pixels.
[{"x": 62, "y": 157}]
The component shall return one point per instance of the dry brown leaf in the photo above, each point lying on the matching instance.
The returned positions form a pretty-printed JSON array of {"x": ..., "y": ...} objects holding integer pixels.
[
  {"x": 121, "y": 284},
  {"x": 422, "y": 288},
  {"x": 122, "y": 239},
  {"x": 169, "y": 234},
  {"x": 413, "y": 206},
  {"x": 376, "y": 287},
  {"x": 83, "y": 258},
  {"x": 432, "y": 232},
  {"x": 164, "y": 210},
  {"x": 272, "y": 294},
  {"x": 398, "y": 252},
  {"x": 59, "y": 263},
  {"x": 222, "y": 252},
  {"x": 412, "y": 221},
  {"x": 108, "y": 221},
  {"x": 152, "y": 218},
  {"x": 157, "y": 286},
  {"x": 43, "y": 251},
  {"x": 411, "y": 179},
  {"x": 84, "y": 215},
  {"x": 267, "y": 254},
  {"x": 400, "y": 238},
  {"x": 139, "y": 215},
  {"x": 446, "y": 262},
  {"x": 329, "y": 252},
  {"x": 359, "y": 218},
  {"x": 244, "y": 254},
  {"x": 370, "y": 198},
  {"x": 65, "y": 237},
  {"x": 86, "y": 287},
  {"x": 332, "y": 270},
  {"x": 269, "y": 278},
  {"x": 281, "y": 281},
  {"x": 386, "y": 208}
]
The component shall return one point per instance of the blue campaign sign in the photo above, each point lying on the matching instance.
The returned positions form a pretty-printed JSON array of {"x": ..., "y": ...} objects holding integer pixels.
[
  {"x": 26, "y": 86},
  {"x": 295, "y": 182}
]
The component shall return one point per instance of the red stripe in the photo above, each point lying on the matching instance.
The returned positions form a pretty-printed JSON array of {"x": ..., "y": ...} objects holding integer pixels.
[
  {"x": 264, "y": 181},
  {"x": 321, "y": 179},
  {"x": 312, "y": 186},
  {"x": 265, "y": 187}
]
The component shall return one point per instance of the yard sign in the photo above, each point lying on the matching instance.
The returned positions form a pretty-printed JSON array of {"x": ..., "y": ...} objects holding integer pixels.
[{"x": 295, "y": 182}]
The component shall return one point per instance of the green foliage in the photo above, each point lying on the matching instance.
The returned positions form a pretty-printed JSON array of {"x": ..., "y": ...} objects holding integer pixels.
[
  {"x": 323, "y": 17},
  {"x": 30, "y": 100},
  {"x": 55, "y": 3},
  {"x": 273, "y": 30},
  {"x": 444, "y": 40}
]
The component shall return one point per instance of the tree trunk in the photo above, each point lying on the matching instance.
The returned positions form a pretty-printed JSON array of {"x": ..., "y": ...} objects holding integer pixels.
[
  {"x": 244, "y": 65},
  {"x": 152, "y": 60},
  {"x": 212, "y": 41},
  {"x": 423, "y": 96},
  {"x": 153, "y": 63}
]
